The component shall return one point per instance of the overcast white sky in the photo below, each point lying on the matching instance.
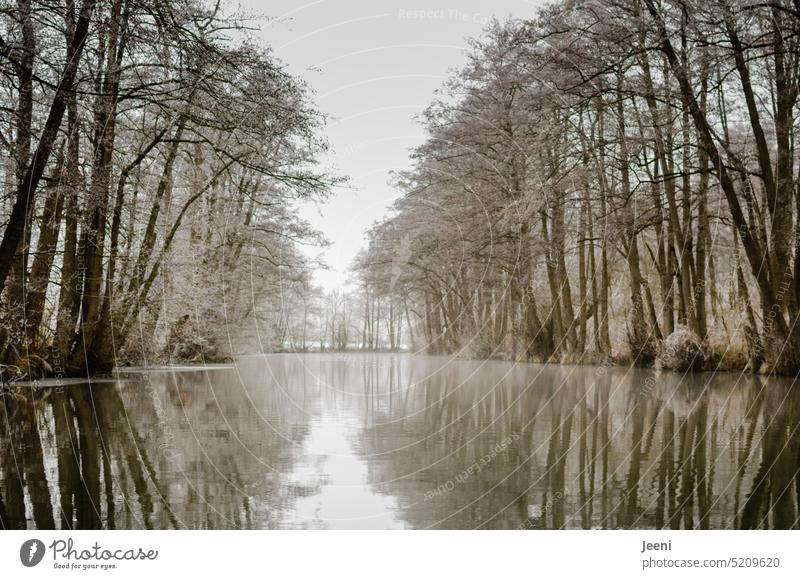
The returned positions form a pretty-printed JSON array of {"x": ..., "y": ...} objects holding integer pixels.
[{"x": 374, "y": 66}]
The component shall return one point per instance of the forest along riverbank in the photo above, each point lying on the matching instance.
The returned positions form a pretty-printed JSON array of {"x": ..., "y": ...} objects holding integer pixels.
[
  {"x": 590, "y": 189},
  {"x": 142, "y": 157},
  {"x": 388, "y": 441},
  {"x": 606, "y": 184}
]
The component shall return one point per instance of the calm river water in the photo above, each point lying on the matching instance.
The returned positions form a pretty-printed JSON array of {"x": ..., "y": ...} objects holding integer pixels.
[{"x": 399, "y": 441}]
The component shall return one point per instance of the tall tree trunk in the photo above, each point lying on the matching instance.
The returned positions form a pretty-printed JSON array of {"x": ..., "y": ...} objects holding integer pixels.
[
  {"x": 638, "y": 330},
  {"x": 43, "y": 262},
  {"x": 69, "y": 297}
]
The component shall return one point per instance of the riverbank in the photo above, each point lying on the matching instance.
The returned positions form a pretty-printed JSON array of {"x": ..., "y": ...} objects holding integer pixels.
[{"x": 685, "y": 354}]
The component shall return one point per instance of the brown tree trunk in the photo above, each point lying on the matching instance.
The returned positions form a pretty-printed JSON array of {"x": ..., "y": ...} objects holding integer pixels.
[{"x": 43, "y": 262}]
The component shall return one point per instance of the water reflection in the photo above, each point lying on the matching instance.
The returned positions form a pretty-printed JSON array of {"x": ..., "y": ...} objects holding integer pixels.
[{"x": 393, "y": 441}]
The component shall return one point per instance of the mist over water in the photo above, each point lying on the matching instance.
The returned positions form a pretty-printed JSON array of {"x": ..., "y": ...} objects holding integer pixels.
[{"x": 401, "y": 441}]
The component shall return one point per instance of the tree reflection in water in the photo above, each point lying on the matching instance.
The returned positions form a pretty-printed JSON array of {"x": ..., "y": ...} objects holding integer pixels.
[{"x": 438, "y": 444}]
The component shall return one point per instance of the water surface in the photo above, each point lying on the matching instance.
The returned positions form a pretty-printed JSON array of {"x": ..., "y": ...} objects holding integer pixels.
[{"x": 399, "y": 441}]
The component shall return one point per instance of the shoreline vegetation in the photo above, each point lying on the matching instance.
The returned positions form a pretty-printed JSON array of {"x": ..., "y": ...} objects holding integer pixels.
[
  {"x": 15, "y": 379},
  {"x": 605, "y": 181},
  {"x": 154, "y": 154},
  {"x": 608, "y": 180}
]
